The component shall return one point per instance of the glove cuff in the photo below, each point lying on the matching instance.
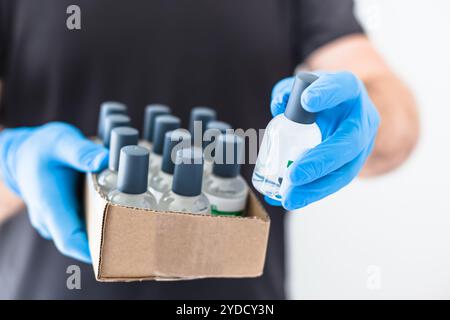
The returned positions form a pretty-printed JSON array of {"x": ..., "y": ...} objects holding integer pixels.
[{"x": 10, "y": 141}]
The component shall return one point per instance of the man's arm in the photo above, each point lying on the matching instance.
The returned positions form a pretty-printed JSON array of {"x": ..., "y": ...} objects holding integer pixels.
[
  {"x": 399, "y": 129},
  {"x": 9, "y": 203}
]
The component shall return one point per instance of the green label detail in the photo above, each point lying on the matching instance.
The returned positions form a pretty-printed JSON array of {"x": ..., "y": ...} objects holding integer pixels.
[
  {"x": 216, "y": 212},
  {"x": 289, "y": 163}
]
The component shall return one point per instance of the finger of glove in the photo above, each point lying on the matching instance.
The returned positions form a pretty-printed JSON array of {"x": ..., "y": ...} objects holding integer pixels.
[{"x": 331, "y": 90}]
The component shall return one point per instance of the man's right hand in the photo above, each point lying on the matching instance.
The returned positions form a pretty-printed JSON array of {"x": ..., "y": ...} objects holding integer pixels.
[{"x": 42, "y": 165}]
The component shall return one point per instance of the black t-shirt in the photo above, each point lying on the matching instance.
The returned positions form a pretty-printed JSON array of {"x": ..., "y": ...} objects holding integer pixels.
[{"x": 225, "y": 54}]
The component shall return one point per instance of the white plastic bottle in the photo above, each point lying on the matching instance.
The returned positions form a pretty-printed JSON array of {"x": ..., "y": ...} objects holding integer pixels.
[
  {"x": 186, "y": 194},
  {"x": 113, "y": 121},
  {"x": 213, "y": 130},
  {"x": 132, "y": 180},
  {"x": 226, "y": 190},
  {"x": 108, "y": 108},
  {"x": 151, "y": 112},
  {"x": 120, "y": 137},
  {"x": 163, "y": 124},
  {"x": 162, "y": 181},
  {"x": 287, "y": 137}
]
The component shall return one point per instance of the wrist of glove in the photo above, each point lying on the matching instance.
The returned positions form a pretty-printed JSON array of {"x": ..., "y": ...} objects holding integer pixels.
[
  {"x": 42, "y": 165},
  {"x": 348, "y": 121},
  {"x": 10, "y": 140}
]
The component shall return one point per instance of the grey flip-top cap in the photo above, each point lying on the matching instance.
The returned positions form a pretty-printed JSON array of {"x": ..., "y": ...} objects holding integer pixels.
[
  {"x": 121, "y": 137},
  {"x": 113, "y": 121},
  {"x": 219, "y": 127},
  {"x": 294, "y": 109},
  {"x": 151, "y": 112},
  {"x": 228, "y": 157},
  {"x": 163, "y": 124},
  {"x": 174, "y": 141},
  {"x": 107, "y": 108},
  {"x": 188, "y": 173},
  {"x": 133, "y": 170},
  {"x": 202, "y": 114}
]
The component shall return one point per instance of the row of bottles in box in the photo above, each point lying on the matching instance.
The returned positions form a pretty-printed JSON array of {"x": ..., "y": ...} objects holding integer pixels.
[{"x": 165, "y": 171}]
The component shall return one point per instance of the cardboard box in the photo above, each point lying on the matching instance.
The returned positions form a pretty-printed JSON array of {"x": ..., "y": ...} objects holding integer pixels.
[{"x": 130, "y": 244}]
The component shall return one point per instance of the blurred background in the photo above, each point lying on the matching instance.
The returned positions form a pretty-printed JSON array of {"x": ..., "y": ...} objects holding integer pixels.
[{"x": 389, "y": 237}]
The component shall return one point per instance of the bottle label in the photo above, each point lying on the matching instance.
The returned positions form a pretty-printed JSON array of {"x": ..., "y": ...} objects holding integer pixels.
[
  {"x": 289, "y": 163},
  {"x": 227, "y": 207}
]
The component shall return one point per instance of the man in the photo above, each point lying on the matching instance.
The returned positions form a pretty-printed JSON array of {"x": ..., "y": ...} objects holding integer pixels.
[{"x": 215, "y": 53}]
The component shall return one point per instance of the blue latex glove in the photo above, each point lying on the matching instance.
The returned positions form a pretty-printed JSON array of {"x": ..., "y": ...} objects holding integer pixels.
[
  {"x": 348, "y": 121},
  {"x": 41, "y": 165}
]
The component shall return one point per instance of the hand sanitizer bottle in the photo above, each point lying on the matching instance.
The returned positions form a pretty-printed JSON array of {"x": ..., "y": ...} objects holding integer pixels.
[
  {"x": 163, "y": 124},
  {"x": 213, "y": 130},
  {"x": 174, "y": 141},
  {"x": 287, "y": 137},
  {"x": 113, "y": 121},
  {"x": 132, "y": 180},
  {"x": 186, "y": 194},
  {"x": 151, "y": 112},
  {"x": 120, "y": 137},
  {"x": 106, "y": 109},
  {"x": 200, "y": 117},
  {"x": 226, "y": 190}
]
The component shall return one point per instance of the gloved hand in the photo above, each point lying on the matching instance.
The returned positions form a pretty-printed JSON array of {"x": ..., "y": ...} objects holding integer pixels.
[
  {"x": 348, "y": 121},
  {"x": 41, "y": 165}
]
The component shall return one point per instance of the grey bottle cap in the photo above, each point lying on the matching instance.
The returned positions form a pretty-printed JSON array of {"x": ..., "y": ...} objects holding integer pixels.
[
  {"x": 113, "y": 121},
  {"x": 107, "y": 108},
  {"x": 151, "y": 112},
  {"x": 133, "y": 170},
  {"x": 294, "y": 109},
  {"x": 188, "y": 173},
  {"x": 203, "y": 114},
  {"x": 174, "y": 141},
  {"x": 121, "y": 137},
  {"x": 228, "y": 157},
  {"x": 163, "y": 124},
  {"x": 219, "y": 125}
]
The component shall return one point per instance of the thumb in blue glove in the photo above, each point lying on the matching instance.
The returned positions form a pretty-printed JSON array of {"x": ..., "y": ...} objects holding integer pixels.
[
  {"x": 348, "y": 121},
  {"x": 42, "y": 166}
]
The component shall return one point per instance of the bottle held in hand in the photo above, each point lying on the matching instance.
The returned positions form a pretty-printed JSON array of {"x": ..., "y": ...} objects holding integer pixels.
[{"x": 286, "y": 138}]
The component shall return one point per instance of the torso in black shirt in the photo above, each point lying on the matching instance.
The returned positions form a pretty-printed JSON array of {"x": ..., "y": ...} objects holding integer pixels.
[{"x": 224, "y": 54}]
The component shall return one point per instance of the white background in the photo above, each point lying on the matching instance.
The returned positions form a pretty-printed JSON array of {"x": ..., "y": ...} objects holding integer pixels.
[{"x": 389, "y": 237}]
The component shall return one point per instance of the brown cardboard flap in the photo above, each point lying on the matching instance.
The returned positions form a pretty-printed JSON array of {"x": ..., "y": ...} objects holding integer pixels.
[{"x": 134, "y": 244}]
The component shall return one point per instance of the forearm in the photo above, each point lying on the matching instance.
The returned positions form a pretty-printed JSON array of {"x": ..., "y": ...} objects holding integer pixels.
[
  {"x": 399, "y": 129},
  {"x": 10, "y": 204}
]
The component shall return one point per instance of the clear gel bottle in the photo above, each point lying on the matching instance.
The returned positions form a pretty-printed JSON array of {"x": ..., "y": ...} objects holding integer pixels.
[
  {"x": 286, "y": 138},
  {"x": 199, "y": 119},
  {"x": 106, "y": 109},
  {"x": 226, "y": 190},
  {"x": 162, "y": 181},
  {"x": 113, "y": 121},
  {"x": 151, "y": 112},
  {"x": 132, "y": 180},
  {"x": 213, "y": 130},
  {"x": 186, "y": 194},
  {"x": 120, "y": 137},
  {"x": 163, "y": 124}
]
